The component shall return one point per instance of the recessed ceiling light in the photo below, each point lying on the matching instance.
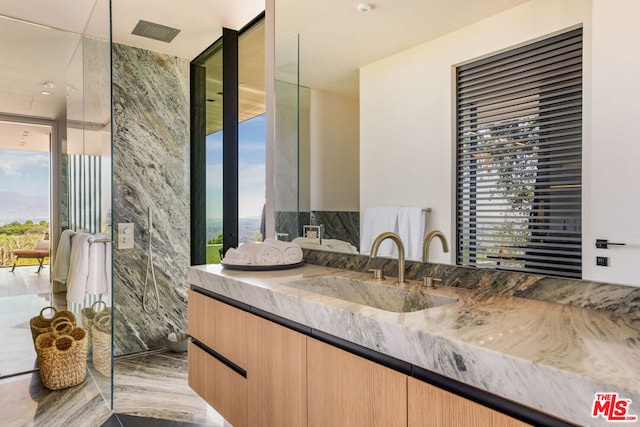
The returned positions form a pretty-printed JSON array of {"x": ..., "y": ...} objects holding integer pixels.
[
  {"x": 364, "y": 8},
  {"x": 49, "y": 85},
  {"x": 44, "y": 92}
]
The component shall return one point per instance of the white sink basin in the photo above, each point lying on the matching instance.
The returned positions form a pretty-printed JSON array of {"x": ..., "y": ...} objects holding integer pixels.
[{"x": 384, "y": 297}]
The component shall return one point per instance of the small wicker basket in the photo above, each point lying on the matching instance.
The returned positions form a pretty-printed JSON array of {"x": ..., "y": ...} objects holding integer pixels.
[
  {"x": 41, "y": 324},
  {"x": 62, "y": 356},
  {"x": 101, "y": 342},
  {"x": 87, "y": 316}
]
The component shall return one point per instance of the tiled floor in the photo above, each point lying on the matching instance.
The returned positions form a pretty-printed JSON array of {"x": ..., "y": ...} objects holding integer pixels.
[
  {"x": 23, "y": 293},
  {"x": 155, "y": 385},
  {"x": 149, "y": 390}
]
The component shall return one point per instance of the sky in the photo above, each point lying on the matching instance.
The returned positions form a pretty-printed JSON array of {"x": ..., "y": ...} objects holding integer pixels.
[
  {"x": 26, "y": 174},
  {"x": 251, "y": 166},
  {"x": 24, "y": 185}
]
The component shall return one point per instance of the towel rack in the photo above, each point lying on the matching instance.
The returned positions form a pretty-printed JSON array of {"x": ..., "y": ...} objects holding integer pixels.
[{"x": 91, "y": 242}]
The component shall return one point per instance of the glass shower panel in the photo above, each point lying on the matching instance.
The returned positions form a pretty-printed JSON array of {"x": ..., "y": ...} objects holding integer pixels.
[{"x": 87, "y": 166}]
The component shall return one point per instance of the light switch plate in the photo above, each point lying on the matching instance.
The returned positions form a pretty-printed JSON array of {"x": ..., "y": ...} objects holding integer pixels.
[{"x": 126, "y": 235}]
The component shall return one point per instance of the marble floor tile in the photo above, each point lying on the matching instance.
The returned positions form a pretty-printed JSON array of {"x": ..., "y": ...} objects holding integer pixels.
[
  {"x": 150, "y": 389},
  {"x": 155, "y": 385},
  {"x": 25, "y": 402}
]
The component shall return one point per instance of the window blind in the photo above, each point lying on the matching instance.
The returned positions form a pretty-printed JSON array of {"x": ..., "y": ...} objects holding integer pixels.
[{"x": 519, "y": 160}]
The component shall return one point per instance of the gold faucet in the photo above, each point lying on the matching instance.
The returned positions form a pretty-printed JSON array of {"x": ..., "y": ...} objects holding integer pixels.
[
  {"x": 399, "y": 244},
  {"x": 427, "y": 242}
]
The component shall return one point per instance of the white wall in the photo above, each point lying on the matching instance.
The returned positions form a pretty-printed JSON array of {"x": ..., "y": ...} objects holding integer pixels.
[
  {"x": 334, "y": 152},
  {"x": 614, "y": 186},
  {"x": 409, "y": 135}
]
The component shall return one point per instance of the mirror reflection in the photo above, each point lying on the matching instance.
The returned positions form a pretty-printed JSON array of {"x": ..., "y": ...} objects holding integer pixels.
[
  {"x": 380, "y": 121},
  {"x": 55, "y": 185}
]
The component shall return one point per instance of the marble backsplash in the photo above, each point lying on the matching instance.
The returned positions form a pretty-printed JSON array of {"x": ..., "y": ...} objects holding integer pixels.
[
  {"x": 608, "y": 297},
  {"x": 151, "y": 138},
  {"x": 341, "y": 225}
]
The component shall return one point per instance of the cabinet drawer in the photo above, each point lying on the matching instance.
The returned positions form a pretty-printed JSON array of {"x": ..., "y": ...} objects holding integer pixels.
[
  {"x": 220, "y": 386},
  {"x": 219, "y": 326},
  {"x": 431, "y": 406},
  {"x": 344, "y": 389}
]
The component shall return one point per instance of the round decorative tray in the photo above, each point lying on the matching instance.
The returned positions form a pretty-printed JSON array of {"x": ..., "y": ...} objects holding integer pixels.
[{"x": 261, "y": 267}]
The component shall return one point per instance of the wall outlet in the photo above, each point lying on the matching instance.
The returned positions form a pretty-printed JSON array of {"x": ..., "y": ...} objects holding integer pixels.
[
  {"x": 126, "y": 235},
  {"x": 602, "y": 261}
]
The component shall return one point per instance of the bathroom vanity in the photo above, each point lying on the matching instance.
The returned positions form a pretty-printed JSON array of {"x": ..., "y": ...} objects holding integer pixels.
[{"x": 322, "y": 346}]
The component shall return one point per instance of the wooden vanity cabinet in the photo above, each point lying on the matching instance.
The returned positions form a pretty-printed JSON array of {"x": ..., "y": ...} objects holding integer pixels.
[
  {"x": 221, "y": 329},
  {"x": 276, "y": 375},
  {"x": 295, "y": 380},
  {"x": 430, "y": 406},
  {"x": 344, "y": 389}
]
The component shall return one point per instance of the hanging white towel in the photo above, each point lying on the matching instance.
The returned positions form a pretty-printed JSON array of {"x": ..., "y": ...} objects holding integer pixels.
[
  {"x": 78, "y": 268},
  {"x": 378, "y": 220},
  {"x": 411, "y": 229},
  {"x": 97, "y": 273},
  {"x": 60, "y": 270}
]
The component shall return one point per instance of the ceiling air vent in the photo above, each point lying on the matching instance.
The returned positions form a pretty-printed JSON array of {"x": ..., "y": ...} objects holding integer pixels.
[{"x": 155, "y": 31}]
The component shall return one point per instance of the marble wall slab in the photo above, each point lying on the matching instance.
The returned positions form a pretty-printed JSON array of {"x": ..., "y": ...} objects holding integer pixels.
[
  {"x": 605, "y": 297},
  {"x": 341, "y": 225},
  {"x": 151, "y": 140}
]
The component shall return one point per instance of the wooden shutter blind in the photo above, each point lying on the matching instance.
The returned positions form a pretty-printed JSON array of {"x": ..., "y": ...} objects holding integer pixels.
[{"x": 519, "y": 161}]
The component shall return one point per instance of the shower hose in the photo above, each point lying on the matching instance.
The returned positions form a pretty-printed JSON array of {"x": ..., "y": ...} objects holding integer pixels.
[{"x": 146, "y": 308}]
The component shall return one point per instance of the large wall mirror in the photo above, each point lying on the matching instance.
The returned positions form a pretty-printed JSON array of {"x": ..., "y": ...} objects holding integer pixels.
[{"x": 374, "y": 117}]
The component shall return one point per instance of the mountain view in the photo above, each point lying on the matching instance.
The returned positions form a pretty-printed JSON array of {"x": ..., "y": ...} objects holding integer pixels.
[
  {"x": 19, "y": 207},
  {"x": 248, "y": 228}
]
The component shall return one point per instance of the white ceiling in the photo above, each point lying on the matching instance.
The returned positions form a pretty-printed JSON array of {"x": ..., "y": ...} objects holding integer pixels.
[{"x": 335, "y": 39}]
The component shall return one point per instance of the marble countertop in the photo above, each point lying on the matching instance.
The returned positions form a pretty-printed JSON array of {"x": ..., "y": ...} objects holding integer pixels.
[{"x": 551, "y": 357}]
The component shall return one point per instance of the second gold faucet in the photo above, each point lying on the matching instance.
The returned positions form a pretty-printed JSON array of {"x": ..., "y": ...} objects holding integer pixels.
[{"x": 427, "y": 241}]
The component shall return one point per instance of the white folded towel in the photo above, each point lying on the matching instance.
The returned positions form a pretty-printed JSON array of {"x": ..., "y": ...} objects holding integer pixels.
[
  {"x": 262, "y": 253},
  {"x": 411, "y": 229},
  {"x": 291, "y": 252},
  {"x": 236, "y": 257},
  {"x": 340, "y": 246},
  {"x": 377, "y": 220}
]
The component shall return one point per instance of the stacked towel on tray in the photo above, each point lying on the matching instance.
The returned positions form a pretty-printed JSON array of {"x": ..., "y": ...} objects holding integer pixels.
[{"x": 269, "y": 252}]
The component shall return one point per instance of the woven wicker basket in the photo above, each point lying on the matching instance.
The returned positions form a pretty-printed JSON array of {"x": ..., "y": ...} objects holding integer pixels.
[
  {"x": 101, "y": 342},
  {"x": 87, "y": 316},
  {"x": 62, "y": 356},
  {"x": 41, "y": 324}
]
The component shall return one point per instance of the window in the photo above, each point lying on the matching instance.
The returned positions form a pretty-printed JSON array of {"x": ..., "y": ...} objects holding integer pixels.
[
  {"x": 519, "y": 162},
  {"x": 228, "y": 143}
]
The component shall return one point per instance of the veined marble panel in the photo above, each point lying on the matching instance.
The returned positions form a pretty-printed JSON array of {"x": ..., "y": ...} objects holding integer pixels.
[
  {"x": 341, "y": 225},
  {"x": 150, "y": 170}
]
